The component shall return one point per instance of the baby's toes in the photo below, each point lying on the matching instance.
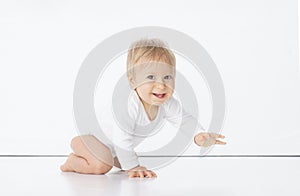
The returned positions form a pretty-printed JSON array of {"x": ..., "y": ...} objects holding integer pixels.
[{"x": 65, "y": 168}]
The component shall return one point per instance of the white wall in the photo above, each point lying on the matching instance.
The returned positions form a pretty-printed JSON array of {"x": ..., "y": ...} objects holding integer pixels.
[{"x": 253, "y": 43}]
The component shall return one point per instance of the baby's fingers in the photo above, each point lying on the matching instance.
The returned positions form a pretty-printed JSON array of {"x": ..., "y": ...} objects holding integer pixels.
[
  {"x": 220, "y": 142},
  {"x": 154, "y": 175},
  {"x": 216, "y": 135},
  {"x": 132, "y": 174},
  {"x": 151, "y": 174},
  {"x": 141, "y": 174},
  {"x": 220, "y": 136},
  {"x": 136, "y": 174}
]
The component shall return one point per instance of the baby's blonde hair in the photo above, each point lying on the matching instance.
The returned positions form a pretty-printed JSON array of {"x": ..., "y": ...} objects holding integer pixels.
[{"x": 148, "y": 50}]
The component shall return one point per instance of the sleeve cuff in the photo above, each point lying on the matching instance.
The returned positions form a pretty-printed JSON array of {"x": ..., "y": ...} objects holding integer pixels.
[
  {"x": 129, "y": 165},
  {"x": 127, "y": 158}
]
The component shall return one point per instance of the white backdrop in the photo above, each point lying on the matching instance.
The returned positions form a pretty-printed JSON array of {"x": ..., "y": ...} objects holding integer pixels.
[{"x": 253, "y": 43}]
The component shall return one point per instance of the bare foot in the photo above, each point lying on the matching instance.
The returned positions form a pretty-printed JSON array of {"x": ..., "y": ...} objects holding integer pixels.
[{"x": 66, "y": 167}]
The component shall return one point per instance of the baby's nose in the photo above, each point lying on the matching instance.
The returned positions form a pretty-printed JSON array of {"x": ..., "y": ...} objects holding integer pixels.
[{"x": 160, "y": 85}]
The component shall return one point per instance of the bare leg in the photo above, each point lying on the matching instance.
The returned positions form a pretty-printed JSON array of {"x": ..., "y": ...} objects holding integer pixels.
[{"x": 90, "y": 156}]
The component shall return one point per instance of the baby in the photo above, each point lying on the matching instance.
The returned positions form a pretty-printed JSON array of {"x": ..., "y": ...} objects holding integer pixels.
[{"x": 151, "y": 75}]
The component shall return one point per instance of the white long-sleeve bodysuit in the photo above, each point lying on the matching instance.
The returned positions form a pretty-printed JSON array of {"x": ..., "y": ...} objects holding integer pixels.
[{"x": 136, "y": 126}]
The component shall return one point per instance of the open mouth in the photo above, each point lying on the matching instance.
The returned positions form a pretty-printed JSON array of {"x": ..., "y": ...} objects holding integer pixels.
[{"x": 160, "y": 96}]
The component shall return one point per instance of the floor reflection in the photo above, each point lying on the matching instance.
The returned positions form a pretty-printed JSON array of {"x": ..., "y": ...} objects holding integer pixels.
[{"x": 113, "y": 183}]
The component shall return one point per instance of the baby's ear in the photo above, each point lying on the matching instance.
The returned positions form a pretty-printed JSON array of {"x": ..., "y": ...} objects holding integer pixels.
[{"x": 131, "y": 81}]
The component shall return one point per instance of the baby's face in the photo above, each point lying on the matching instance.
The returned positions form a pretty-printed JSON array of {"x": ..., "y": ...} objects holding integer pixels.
[{"x": 154, "y": 82}]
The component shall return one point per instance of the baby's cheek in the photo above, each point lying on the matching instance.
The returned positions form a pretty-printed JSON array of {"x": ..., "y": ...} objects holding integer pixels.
[
  {"x": 146, "y": 86},
  {"x": 170, "y": 86}
]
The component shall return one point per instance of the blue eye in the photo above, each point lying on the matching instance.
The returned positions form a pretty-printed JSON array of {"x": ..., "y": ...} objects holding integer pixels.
[
  {"x": 168, "y": 77},
  {"x": 151, "y": 77}
]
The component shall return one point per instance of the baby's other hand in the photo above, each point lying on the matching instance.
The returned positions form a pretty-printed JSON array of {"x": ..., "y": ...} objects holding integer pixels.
[
  {"x": 207, "y": 139},
  {"x": 140, "y": 172}
]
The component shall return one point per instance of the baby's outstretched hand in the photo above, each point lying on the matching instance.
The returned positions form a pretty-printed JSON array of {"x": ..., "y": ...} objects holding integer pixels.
[
  {"x": 140, "y": 172},
  {"x": 208, "y": 139}
]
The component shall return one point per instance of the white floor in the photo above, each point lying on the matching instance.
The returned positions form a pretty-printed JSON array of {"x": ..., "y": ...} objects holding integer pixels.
[{"x": 185, "y": 176}]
